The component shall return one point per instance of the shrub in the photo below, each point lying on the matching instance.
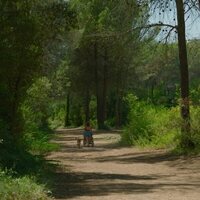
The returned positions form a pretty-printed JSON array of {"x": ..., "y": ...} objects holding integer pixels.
[
  {"x": 195, "y": 127},
  {"x": 137, "y": 130},
  {"x": 36, "y": 111},
  {"x": 38, "y": 141},
  {"x": 151, "y": 125},
  {"x": 21, "y": 188},
  {"x": 58, "y": 113}
]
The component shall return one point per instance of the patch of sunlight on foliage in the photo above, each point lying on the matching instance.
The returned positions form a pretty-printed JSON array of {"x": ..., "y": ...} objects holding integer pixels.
[
  {"x": 150, "y": 125},
  {"x": 21, "y": 188}
]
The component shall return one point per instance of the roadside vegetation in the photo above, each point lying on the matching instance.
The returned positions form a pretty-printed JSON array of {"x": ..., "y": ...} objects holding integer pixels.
[
  {"x": 21, "y": 188},
  {"x": 156, "y": 126}
]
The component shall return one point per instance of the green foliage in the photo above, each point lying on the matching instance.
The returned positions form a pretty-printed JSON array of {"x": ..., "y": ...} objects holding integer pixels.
[
  {"x": 159, "y": 127},
  {"x": 195, "y": 95},
  {"x": 21, "y": 155},
  {"x": 138, "y": 126},
  {"x": 24, "y": 49},
  {"x": 158, "y": 73},
  {"x": 18, "y": 159},
  {"x": 195, "y": 124},
  {"x": 104, "y": 53},
  {"x": 58, "y": 112},
  {"x": 29, "y": 35},
  {"x": 36, "y": 107},
  {"x": 107, "y": 57},
  {"x": 36, "y": 111},
  {"x": 151, "y": 125},
  {"x": 21, "y": 188},
  {"x": 194, "y": 134},
  {"x": 20, "y": 51},
  {"x": 38, "y": 141},
  {"x": 165, "y": 127}
]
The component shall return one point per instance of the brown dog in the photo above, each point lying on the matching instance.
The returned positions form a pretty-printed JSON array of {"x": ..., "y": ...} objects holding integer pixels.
[{"x": 78, "y": 142}]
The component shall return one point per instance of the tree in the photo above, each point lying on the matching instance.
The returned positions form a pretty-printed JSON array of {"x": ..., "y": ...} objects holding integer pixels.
[
  {"x": 105, "y": 49},
  {"x": 158, "y": 74},
  {"x": 24, "y": 47},
  {"x": 185, "y": 111},
  {"x": 182, "y": 8}
]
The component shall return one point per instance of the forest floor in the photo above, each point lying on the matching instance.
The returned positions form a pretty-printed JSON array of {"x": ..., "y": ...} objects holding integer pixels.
[{"x": 111, "y": 172}]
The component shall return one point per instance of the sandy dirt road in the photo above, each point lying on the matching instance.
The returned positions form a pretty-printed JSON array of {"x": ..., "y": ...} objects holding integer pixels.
[{"x": 110, "y": 172}]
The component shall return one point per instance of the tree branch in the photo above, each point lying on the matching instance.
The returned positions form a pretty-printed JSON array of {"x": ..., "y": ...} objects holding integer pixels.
[{"x": 158, "y": 25}]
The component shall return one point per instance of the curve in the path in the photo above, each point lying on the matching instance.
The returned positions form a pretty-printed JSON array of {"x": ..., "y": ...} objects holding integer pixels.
[{"x": 109, "y": 171}]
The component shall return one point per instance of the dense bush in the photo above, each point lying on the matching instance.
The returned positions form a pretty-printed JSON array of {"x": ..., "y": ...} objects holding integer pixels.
[
  {"x": 58, "y": 114},
  {"x": 36, "y": 111},
  {"x": 26, "y": 155},
  {"x": 159, "y": 127},
  {"x": 21, "y": 188},
  {"x": 195, "y": 127},
  {"x": 38, "y": 141},
  {"x": 151, "y": 125}
]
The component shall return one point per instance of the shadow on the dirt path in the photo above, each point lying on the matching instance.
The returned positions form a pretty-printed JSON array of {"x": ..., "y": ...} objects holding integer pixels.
[
  {"x": 144, "y": 157},
  {"x": 155, "y": 157},
  {"x": 97, "y": 147},
  {"x": 100, "y": 184},
  {"x": 79, "y": 184},
  {"x": 74, "y": 184}
]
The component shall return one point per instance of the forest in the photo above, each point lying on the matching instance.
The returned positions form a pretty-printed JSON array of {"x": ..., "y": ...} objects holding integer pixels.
[{"x": 64, "y": 63}]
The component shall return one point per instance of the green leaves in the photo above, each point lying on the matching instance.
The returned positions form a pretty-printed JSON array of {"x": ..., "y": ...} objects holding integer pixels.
[
  {"x": 21, "y": 188},
  {"x": 31, "y": 34}
]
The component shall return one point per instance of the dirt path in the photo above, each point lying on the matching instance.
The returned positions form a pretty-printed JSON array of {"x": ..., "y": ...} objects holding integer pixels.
[{"x": 109, "y": 172}]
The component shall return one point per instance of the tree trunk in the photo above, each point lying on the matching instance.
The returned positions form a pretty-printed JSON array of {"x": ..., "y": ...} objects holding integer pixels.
[
  {"x": 118, "y": 111},
  {"x": 185, "y": 110},
  {"x": 105, "y": 83},
  {"x": 100, "y": 111},
  {"x": 118, "y": 100},
  {"x": 67, "y": 122},
  {"x": 87, "y": 106},
  {"x": 100, "y": 91},
  {"x": 15, "y": 115},
  {"x": 152, "y": 92}
]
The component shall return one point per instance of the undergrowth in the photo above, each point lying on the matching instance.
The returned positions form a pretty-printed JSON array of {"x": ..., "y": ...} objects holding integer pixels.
[
  {"x": 21, "y": 188},
  {"x": 158, "y": 127}
]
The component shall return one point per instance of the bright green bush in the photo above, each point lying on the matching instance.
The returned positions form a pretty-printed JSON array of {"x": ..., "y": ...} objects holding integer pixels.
[
  {"x": 195, "y": 127},
  {"x": 137, "y": 130},
  {"x": 21, "y": 188},
  {"x": 151, "y": 125},
  {"x": 38, "y": 141},
  {"x": 36, "y": 138},
  {"x": 57, "y": 118},
  {"x": 36, "y": 111},
  {"x": 193, "y": 136},
  {"x": 159, "y": 127},
  {"x": 36, "y": 108},
  {"x": 165, "y": 127}
]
